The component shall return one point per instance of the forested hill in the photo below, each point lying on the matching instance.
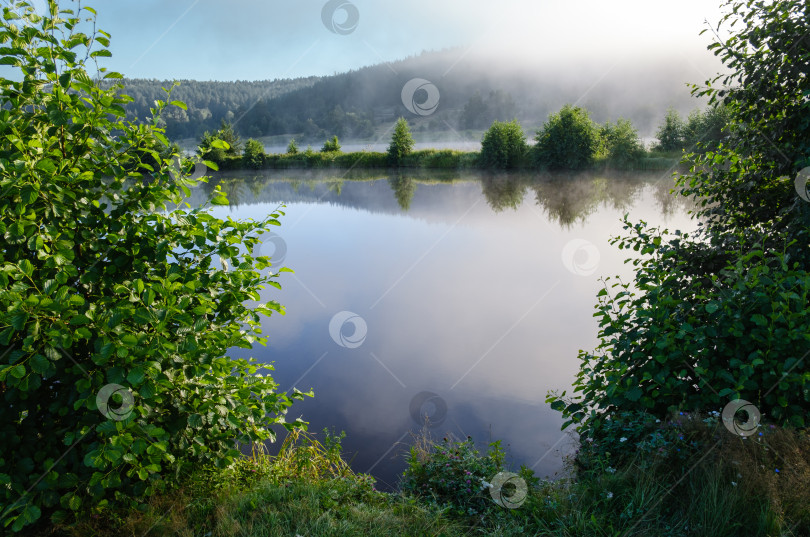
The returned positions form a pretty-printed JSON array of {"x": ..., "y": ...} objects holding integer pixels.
[
  {"x": 208, "y": 102},
  {"x": 472, "y": 93}
]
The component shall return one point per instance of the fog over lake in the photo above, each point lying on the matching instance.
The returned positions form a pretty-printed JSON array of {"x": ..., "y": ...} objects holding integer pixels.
[{"x": 468, "y": 299}]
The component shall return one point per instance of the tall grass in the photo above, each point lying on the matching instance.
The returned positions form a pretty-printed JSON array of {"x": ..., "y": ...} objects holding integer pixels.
[{"x": 732, "y": 488}]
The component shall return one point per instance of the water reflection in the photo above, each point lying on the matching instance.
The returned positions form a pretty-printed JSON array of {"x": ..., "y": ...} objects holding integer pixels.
[
  {"x": 463, "y": 293},
  {"x": 566, "y": 199},
  {"x": 404, "y": 188},
  {"x": 503, "y": 191}
]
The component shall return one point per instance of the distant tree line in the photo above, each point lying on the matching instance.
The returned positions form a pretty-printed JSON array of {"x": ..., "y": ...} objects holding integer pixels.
[
  {"x": 364, "y": 102},
  {"x": 208, "y": 103},
  {"x": 568, "y": 140}
]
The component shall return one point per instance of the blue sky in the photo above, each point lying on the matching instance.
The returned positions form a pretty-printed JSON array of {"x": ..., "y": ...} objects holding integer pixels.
[{"x": 266, "y": 39}]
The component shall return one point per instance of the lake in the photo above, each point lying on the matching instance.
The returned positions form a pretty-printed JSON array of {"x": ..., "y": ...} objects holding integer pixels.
[{"x": 463, "y": 297}]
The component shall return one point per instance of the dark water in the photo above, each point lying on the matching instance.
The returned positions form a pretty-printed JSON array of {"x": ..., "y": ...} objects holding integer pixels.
[{"x": 465, "y": 298}]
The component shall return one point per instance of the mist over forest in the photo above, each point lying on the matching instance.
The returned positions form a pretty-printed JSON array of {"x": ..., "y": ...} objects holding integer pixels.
[{"x": 474, "y": 90}]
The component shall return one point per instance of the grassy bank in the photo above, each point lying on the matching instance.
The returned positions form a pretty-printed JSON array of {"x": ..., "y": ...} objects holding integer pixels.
[
  {"x": 436, "y": 159},
  {"x": 697, "y": 479}
]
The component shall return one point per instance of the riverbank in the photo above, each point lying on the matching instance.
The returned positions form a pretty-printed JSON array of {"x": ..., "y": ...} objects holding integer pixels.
[
  {"x": 430, "y": 159},
  {"x": 698, "y": 480}
]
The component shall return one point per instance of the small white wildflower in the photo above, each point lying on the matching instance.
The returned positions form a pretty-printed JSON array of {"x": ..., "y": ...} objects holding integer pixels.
[
  {"x": 657, "y": 421},
  {"x": 734, "y": 483},
  {"x": 623, "y": 439},
  {"x": 485, "y": 485},
  {"x": 609, "y": 495},
  {"x": 610, "y": 470}
]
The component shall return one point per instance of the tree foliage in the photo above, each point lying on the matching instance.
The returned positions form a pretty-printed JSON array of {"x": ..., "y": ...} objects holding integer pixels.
[
  {"x": 671, "y": 133},
  {"x": 702, "y": 131},
  {"x": 331, "y": 146},
  {"x": 479, "y": 113},
  {"x": 401, "y": 142},
  {"x": 620, "y": 143},
  {"x": 706, "y": 130},
  {"x": 218, "y": 152},
  {"x": 503, "y": 145},
  {"x": 722, "y": 314},
  {"x": 254, "y": 155},
  {"x": 115, "y": 317},
  {"x": 569, "y": 140},
  {"x": 404, "y": 188}
]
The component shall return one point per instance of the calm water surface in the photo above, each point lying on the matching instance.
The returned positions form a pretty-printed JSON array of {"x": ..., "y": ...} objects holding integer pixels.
[{"x": 465, "y": 298}]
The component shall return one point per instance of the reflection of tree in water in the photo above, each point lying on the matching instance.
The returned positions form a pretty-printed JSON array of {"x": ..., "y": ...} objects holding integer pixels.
[
  {"x": 503, "y": 190},
  {"x": 669, "y": 200},
  {"x": 234, "y": 188},
  {"x": 256, "y": 185},
  {"x": 404, "y": 189},
  {"x": 565, "y": 198},
  {"x": 568, "y": 199},
  {"x": 335, "y": 185},
  {"x": 238, "y": 189}
]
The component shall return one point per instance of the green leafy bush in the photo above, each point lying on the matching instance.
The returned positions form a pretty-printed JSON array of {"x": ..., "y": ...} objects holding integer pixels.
[
  {"x": 446, "y": 159},
  {"x": 742, "y": 331},
  {"x": 671, "y": 133},
  {"x": 219, "y": 153},
  {"x": 115, "y": 318},
  {"x": 504, "y": 145},
  {"x": 254, "y": 156},
  {"x": 702, "y": 131},
  {"x": 632, "y": 437},
  {"x": 331, "y": 146},
  {"x": 706, "y": 130},
  {"x": 569, "y": 140},
  {"x": 311, "y": 159},
  {"x": 454, "y": 475},
  {"x": 722, "y": 314},
  {"x": 401, "y": 143},
  {"x": 621, "y": 145}
]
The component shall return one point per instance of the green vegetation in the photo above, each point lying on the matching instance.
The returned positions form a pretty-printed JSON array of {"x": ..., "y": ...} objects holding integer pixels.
[
  {"x": 122, "y": 411},
  {"x": 452, "y": 475},
  {"x": 569, "y": 140},
  {"x": 114, "y": 319},
  {"x": 682, "y": 317},
  {"x": 621, "y": 146},
  {"x": 480, "y": 113},
  {"x": 611, "y": 146},
  {"x": 313, "y": 108},
  {"x": 703, "y": 131},
  {"x": 404, "y": 189},
  {"x": 720, "y": 315},
  {"x": 254, "y": 155},
  {"x": 671, "y": 133},
  {"x": 307, "y": 489},
  {"x": 331, "y": 146},
  {"x": 427, "y": 158},
  {"x": 504, "y": 146},
  {"x": 401, "y": 143},
  {"x": 218, "y": 153}
]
